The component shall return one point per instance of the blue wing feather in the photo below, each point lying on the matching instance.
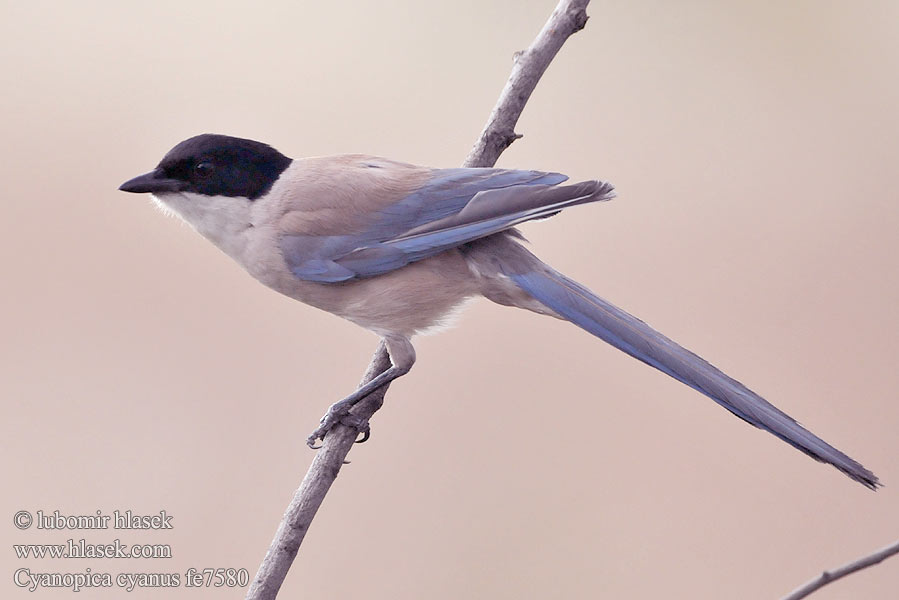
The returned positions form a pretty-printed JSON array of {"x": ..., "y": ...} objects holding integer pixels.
[{"x": 455, "y": 206}]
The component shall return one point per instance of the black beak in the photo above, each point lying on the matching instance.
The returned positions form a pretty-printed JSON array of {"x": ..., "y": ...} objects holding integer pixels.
[{"x": 154, "y": 182}]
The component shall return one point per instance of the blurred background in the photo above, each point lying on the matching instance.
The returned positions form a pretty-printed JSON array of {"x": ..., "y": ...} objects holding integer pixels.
[{"x": 754, "y": 148}]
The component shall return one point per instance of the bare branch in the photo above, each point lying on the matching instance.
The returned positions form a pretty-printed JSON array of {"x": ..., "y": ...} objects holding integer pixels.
[
  {"x": 321, "y": 474},
  {"x": 830, "y": 576},
  {"x": 569, "y": 17},
  {"x": 499, "y": 132}
]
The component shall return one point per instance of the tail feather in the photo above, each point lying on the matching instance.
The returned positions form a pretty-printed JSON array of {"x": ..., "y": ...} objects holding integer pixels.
[{"x": 579, "y": 305}]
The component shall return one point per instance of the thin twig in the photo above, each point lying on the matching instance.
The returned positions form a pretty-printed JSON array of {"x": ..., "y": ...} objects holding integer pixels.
[
  {"x": 321, "y": 474},
  {"x": 499, "y": 132},
  {"x": 569, "y": 17},
  {"x": 830, "y": 576}
]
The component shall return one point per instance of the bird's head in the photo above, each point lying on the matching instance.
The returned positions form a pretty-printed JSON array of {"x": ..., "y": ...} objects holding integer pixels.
[{"x": 212, "y": 180}]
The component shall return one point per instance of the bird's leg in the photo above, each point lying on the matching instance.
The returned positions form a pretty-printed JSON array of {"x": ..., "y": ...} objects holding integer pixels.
[{"x": 402, "y": 357}]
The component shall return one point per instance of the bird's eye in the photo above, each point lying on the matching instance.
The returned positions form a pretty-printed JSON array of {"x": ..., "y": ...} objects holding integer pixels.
[{"x": 203, "y": 169}]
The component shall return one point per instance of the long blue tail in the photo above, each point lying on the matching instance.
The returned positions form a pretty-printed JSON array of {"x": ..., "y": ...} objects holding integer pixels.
[{"x": 579, "y": 305}]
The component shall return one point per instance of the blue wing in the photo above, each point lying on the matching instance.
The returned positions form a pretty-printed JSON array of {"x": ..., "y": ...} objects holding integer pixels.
[{"x": 454, "y": 207}]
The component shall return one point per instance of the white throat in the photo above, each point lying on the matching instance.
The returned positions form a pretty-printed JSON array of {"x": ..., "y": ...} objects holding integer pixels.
[{"x": 223, "y": 220}]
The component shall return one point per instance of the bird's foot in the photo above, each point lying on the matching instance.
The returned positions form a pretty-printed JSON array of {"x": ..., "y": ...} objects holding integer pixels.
[{"x": 339, "y": 413}]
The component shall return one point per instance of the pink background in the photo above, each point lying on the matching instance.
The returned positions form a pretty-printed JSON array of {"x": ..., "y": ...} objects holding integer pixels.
[{"x": 754, "y": 147}]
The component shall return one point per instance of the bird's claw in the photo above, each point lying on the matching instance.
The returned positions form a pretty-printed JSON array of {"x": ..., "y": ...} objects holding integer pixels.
[{"x": 338, "y": 414}]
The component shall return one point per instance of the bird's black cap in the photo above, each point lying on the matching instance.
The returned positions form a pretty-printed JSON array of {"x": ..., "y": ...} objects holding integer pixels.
[{"x": 214, "y": 165}]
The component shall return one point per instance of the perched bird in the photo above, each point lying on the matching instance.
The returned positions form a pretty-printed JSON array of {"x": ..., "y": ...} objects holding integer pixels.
[{"x": 395, "y": 247}]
